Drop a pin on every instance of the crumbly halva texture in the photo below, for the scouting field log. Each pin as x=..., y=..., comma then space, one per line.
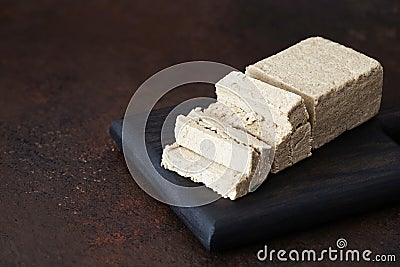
x=341, y=87
x=284, y=115
x=217, y=146
x=224, y=144
x=226, y=182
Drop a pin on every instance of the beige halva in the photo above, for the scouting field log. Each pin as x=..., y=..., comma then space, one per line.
x=272, y=116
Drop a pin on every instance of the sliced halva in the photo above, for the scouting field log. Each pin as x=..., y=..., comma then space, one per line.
x=225, y=145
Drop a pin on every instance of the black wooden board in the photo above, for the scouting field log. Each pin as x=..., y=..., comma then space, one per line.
x=357, y=172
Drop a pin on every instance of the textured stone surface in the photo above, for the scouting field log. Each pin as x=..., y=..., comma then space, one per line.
x=68, y=69
x=341, y=87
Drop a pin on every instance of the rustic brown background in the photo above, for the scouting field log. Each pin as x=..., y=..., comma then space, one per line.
x=68, y=68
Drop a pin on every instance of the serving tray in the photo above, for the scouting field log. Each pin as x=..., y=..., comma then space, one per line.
x=357, y=172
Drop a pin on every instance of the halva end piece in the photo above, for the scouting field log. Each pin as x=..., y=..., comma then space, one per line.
x=226, y=182
x=341, y=87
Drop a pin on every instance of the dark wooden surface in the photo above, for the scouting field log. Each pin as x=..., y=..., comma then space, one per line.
x=357, y=172
x=68, y=68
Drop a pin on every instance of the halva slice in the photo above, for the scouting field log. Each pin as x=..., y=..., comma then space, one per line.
x=284, y=112
x=226, y=182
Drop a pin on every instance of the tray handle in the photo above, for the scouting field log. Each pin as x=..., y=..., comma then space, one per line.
x=389, y=120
